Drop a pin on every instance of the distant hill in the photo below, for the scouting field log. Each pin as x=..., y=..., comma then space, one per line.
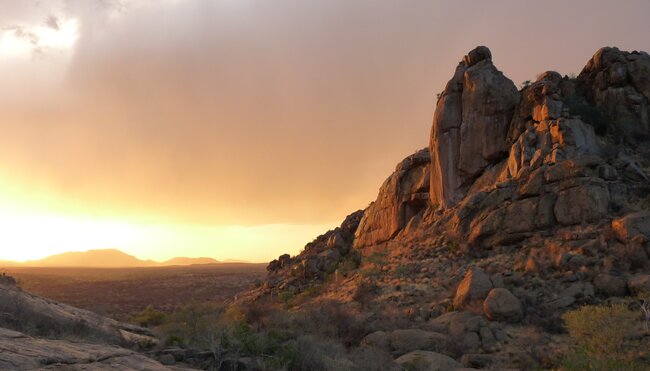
x=189, y=261
x=106, y=258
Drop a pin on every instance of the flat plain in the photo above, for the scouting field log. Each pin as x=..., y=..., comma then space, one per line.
x=121, y=292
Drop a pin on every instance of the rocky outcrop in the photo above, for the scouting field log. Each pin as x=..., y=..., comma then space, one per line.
x=37, y=316
x=470, y=125
x=319, y=258
x=618, y=83
x=21, y=352
x=402, y=197
x=554, y=174
x=538, y=205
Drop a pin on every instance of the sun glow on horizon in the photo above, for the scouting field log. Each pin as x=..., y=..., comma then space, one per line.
x=32, y=237
x=37, y=222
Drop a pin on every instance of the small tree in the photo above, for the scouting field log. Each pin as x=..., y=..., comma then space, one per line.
x=150, y=317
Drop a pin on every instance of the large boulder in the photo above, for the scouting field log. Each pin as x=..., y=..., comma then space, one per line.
x=502, y=305
x=421, y=360
x=470, y=125
x=475, y=286
x=609, y=285
x=407, y=340
x=403, y=196
x=377, y=339
x=640, y=285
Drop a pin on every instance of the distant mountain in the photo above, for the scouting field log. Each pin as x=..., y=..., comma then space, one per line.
x=189, y=261
x=106, y=258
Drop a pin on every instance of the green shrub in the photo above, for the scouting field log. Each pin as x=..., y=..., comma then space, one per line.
x=174, y=340
x=286, y=297
x=377, y=258
x=150, y=317
x=402, y=271
x=349, y=263
x=600, y=333
x=195, y=325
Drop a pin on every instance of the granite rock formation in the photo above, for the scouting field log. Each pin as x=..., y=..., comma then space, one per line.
x=469, y=126
x=538, y=202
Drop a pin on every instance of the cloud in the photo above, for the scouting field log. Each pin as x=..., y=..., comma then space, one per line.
x=248, y=112
x=52, y=22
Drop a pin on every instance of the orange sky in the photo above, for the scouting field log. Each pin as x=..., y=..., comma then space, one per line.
x=241, y=129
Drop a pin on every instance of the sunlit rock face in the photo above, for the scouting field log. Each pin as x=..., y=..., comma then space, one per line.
x=508, y=164
x=470, y=125
x=401, y=200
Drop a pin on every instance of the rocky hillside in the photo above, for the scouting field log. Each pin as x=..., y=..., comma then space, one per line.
x=527, y=203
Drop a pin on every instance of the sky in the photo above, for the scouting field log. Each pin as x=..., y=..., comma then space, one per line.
x=241, y=129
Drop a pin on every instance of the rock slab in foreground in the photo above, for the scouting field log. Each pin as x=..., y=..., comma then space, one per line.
x=429, y=361
x=21, y=352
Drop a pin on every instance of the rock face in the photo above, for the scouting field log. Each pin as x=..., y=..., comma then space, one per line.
x=619, y=83
x=21, y=352
x=469, y=126
x=402, y=197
